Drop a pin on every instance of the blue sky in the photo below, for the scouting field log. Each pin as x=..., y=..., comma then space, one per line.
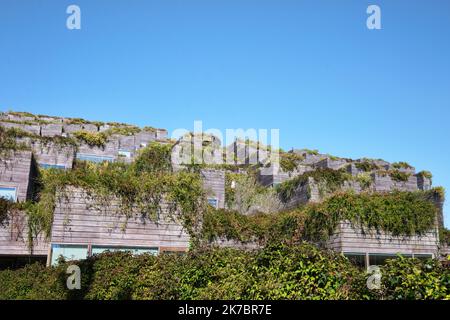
x=310, y=68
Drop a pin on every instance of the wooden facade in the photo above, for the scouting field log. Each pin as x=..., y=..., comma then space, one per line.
x=352, y=239
x=78, y=221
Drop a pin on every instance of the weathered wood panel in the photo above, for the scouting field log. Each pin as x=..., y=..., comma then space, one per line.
x=14, y=238
x=76, y=222
x=348, y=238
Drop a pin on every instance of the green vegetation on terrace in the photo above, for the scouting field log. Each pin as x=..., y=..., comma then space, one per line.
x=93, y=139
x=401, y=165
x=277, y=271
x=367, y=165
x=9, y=143
x=330, y=179
x=425, y=174
x=9, y=139
x=398, y=213
x=115, y=127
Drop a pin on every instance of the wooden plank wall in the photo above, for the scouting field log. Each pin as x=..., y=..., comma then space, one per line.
x=15, y=172
x=77, y=222
x=351, y=239
x=214, y=184
x=14, y=238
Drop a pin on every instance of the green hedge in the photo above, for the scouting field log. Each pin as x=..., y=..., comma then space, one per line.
x=277, y=271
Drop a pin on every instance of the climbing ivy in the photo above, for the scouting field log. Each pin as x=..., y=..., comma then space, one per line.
x=401, y=165
x=332, y=180
x=399, y=213
x=289, y=161
x=9, y=143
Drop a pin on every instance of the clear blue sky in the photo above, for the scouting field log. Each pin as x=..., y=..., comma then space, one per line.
x=310, y=68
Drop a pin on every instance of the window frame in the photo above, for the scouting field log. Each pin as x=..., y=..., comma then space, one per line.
x=16, y=192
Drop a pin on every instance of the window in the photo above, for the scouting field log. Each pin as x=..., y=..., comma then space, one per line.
x=213, y=202
x=358, y=259
x=94, y=158
x=68, y=252
x=124, y=153
x=423, y=256
x=378, y=259
x=8, y=193
x=52, y=166
x=133, y=250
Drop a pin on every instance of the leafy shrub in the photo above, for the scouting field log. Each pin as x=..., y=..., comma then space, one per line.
x=399, y=176
x=425, y=174
x=364, y=179
x=5, y=206
x=277, y=271
x=140, y=186
x=301, y=272
x=33, y=282
x=94, y=139
x=444, y=236
x=154, y=158
x=413, y=279
x=114, y=275
x=367, y=165
x=8, y=142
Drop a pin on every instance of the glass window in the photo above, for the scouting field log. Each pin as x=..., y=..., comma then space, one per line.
x=423, y=256
x=52, y=166
x=358, y=259
x=8, y=193
x=124, y=153
x=133, y=250
x=212, y=202
x=94, y=158
x=68, y=252
x=380, y=259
